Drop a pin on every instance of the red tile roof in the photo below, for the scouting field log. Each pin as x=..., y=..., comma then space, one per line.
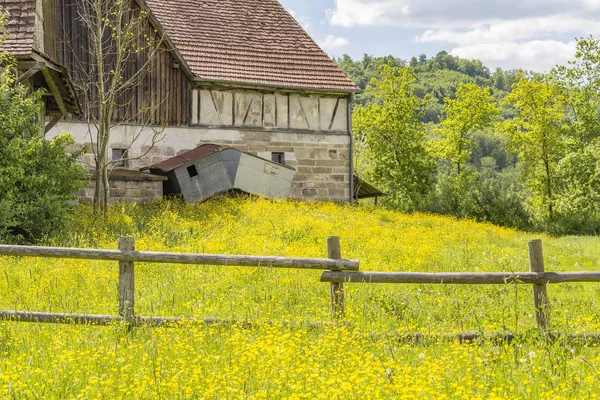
x=247, y=41
x=21, y=26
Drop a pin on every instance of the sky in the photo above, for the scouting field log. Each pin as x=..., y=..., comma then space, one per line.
x=533, y=35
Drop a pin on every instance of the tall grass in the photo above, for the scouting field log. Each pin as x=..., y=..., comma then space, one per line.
x=280, y=356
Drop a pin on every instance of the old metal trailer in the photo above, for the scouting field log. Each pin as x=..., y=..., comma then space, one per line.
x=210, y=170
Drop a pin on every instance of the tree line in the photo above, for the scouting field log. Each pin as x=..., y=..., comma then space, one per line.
x=514, y=148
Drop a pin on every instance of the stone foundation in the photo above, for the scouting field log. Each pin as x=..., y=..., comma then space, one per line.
x=321, y=159
x=127, y=186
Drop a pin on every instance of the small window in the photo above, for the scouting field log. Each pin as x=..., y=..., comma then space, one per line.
x=278, y=158
x=119, y=158
x=192, y=171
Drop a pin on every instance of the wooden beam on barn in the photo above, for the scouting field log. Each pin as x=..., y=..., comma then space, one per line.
x=31, y=68
x=55, y=91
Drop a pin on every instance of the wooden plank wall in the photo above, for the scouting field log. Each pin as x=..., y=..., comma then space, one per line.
x=164, y=86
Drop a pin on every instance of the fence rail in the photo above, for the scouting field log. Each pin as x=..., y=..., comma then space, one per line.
x=179, y=258
x=454, y=278
x=338, y=271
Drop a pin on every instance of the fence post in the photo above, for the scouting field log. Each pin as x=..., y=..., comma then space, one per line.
x=336, y=290
x=540, y=293
x=126, y=281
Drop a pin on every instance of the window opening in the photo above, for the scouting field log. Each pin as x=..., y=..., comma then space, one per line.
x=192, y=171
x=278, y=158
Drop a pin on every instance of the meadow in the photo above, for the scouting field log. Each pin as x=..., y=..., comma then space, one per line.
x=284, y=343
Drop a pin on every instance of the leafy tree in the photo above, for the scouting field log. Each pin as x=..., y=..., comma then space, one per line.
x=473, y=109
x=536, y=135
x=37, y=177
x=580, y=84
x=579, y=190
x=394, y=139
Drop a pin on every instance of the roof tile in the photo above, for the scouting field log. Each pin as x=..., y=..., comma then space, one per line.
x=21, y=24
x=247, y=41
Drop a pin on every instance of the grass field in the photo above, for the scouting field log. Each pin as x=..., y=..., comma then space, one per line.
x=282, y=354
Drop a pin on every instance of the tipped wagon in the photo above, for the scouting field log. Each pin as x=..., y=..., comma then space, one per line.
x=210, y=170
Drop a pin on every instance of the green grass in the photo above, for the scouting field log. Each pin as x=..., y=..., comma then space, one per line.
x=365, y=359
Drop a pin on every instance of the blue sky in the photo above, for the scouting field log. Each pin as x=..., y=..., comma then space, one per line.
x=529, y=34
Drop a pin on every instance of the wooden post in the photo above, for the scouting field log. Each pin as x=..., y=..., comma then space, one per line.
x=336, y=291
x=126, y=281
x=540, y=294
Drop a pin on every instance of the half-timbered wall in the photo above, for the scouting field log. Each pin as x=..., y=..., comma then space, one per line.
x=278, y=111
x=162, y=98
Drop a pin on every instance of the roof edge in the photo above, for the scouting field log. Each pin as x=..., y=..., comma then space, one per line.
x=170, y=45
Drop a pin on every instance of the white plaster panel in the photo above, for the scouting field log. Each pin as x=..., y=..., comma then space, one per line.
x=310, y=107
x=255, y=113
x=195, y=106
x=340, y=123
x=282, y=110
x=269, y=111
x=242, y=103
x=297, y=116
x=326, y=111
x=224, y=104
x=208, y=113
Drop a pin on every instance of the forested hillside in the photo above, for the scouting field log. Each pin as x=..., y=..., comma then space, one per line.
x=436, y=78
x=447, y=135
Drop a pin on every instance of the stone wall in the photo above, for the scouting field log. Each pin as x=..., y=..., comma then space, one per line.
x=311, y=130
x=128, y=186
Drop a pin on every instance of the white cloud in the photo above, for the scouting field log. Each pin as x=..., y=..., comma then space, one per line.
x=513, y=30
x=332, y=43
x=530, y=34
x=535, y=55
x=360, y=12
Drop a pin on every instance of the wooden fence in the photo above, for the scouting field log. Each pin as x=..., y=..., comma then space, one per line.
x=127, y=257
x=338, y=271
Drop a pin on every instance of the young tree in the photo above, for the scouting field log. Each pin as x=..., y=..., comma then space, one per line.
x=394, y=136
x=580, y=84
x=536, y=135
x=117, y=57
x=474, y=109
x=37, y=177
x=578, y=193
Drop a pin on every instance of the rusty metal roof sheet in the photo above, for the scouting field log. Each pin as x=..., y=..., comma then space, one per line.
x=247, y=41
x=363, y=190
x=183, y=158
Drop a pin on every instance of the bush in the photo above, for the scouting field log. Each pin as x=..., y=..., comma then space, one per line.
x=37, y=177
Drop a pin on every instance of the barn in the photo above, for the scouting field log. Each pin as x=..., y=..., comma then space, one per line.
x=235, y=73
x=240, y=74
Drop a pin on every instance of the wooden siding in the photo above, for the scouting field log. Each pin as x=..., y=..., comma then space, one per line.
x=165, y=88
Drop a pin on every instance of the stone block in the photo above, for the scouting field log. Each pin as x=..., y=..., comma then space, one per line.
x=309, y=193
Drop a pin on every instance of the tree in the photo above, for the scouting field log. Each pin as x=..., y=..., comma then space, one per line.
x=578, y=193
x=536, y=135
x=37, y=177
x=474, y=109
x=394, y=138
x=580, y=84
x=116, y=42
